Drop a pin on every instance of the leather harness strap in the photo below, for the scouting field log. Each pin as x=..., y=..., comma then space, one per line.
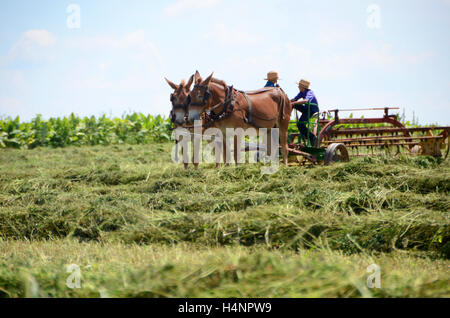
x=250, y=109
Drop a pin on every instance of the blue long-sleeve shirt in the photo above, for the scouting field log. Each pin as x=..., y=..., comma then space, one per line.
x=311, y=98
x=308, y=95
x=270, y=84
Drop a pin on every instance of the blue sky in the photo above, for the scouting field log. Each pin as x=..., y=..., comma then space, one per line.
x=116, y=61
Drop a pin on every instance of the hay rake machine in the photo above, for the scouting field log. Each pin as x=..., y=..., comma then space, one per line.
x=338, y=139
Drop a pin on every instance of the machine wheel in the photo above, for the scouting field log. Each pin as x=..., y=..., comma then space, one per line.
x=336, y=153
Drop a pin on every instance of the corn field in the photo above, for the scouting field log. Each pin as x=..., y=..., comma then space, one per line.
x=133, y=128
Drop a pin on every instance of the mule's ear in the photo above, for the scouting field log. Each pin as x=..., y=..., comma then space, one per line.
x=174, y=86
x=189, y=83
x=197, y=78
x=208, y=80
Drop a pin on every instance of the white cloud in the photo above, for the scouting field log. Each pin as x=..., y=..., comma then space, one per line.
x=224, y=35
x=369, y=56
x=106, y=70
x=125, y=70
x=178, y=7
x=12, y=80
x=87, y=43
x=29, y=44
x=111, y=72
x=11, y=106
x=39, y=37
x=137, y=40
x=329, y=34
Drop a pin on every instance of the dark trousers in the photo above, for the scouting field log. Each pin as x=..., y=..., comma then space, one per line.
x=301, y=124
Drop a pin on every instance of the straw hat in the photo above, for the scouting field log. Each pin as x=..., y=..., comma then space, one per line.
x=272, y=76
x=304, y=83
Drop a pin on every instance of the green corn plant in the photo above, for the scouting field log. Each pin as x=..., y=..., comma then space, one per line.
x=133, y=128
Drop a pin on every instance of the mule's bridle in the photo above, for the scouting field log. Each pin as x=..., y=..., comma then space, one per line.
x=178, y=106
x=206, y=96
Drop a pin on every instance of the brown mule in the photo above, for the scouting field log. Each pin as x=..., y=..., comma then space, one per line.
x=179, y=100
x=266, y=108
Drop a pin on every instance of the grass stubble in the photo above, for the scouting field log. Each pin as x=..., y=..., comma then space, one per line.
x=140, y=226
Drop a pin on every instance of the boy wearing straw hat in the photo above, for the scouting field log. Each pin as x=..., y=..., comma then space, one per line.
x=305, y=96
x=272, y=79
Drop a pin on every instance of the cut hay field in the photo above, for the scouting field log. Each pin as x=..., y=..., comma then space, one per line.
x=138, y=225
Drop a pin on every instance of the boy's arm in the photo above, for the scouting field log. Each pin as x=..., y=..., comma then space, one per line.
x=295, y=98
x=300, y=102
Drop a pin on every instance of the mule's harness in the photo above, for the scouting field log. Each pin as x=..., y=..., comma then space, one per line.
x=228, y=107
